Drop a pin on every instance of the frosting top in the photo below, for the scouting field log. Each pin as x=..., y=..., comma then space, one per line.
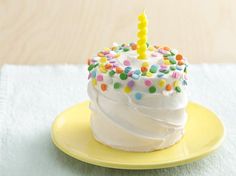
x=118, y=67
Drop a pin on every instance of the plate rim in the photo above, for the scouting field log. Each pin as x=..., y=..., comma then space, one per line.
x=129, y=166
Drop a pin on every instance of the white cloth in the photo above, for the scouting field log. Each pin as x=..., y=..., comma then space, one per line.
x=32, y=96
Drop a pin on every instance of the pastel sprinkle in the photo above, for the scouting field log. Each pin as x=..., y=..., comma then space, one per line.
x=160, y=75
x=89, y=76
x=176, y=83
x=117, y=85
x=184, y=82
x=148, y=74
x=130, y=73
x=153, y=69
x=172, y=61
x=90, y=67
x=119, y=70
x=103, y=59
x=166, y=62
x=123, y=76
x=126, y=49
x=148, y=82
x=172, y=67
x=134, y=46
x=111, y=73
x=144, y=69
x=94, y=82
x=127, y=69
x=131, y=83
x=175, y=75
x=126, y=63
x=100, y=77
x=179, y=57
x=94, y=73
x=168, y=87
x=162, y=83
x=138, y=96
x=127, y=89
x=135, y=76
x=178, y=89
x=152, y=89
x=103, y=87
x=145, y=64
x=138, y=72
x=154, y=55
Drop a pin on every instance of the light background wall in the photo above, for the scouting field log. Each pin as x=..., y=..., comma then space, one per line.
x=69, y=31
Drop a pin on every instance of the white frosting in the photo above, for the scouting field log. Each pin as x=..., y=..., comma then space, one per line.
x=155, y=121
x=130, y=126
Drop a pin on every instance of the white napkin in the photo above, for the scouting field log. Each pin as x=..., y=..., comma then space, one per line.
x=32, y=96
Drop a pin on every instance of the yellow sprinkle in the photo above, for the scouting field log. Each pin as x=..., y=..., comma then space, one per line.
x=149, y=74
x=127, y=89
x=166, y=62
x=151, y=48
x=102, y=69
x=94, y=82
x=162, y=83
x=103, y=59
x=176, y=83
x=117, y=55
x=107, y=49
x=145, y=64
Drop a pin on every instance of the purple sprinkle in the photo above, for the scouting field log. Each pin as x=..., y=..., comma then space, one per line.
x=131, y=83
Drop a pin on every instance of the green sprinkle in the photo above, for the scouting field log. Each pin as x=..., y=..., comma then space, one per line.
x=90, y=67
x=126, y=49
x=96, y=65
x=147, y=44
x=178, y=89
x=172, y=67
x=144, y=74
x=153, y=69
x=117, y=85
x=172, y=61
x=111, y=73
x=152, y=89
x=166, y=71
x=185, y=69
x=123, y=76
x=172, y=54
x=166, y=55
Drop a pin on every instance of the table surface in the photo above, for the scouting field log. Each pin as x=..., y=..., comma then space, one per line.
x=61, y=31
x=32, y=96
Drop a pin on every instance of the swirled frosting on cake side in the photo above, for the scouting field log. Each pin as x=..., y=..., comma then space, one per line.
x=138, y=105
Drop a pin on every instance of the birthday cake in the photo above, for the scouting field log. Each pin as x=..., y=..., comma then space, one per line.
x=138, y=96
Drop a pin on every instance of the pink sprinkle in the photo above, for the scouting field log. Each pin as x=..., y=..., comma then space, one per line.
x=148, y=82
x=105, y=52
x=110, y=55
x=154, y=54
x=130, y=73
x=100, y=78
x=127, y=63
x=175, y=75
x=163, y=67
x=89, y=76
x=185, y=77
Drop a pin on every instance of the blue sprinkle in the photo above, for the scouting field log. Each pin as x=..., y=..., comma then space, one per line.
x=138, y=96
x=160, y=75
x=135, y=76
x=94, y=73
x=137, y=72
x=184, y=83
x=127, y=69
x=178, y=67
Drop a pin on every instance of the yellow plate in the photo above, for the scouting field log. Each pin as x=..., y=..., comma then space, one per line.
x=72, y=134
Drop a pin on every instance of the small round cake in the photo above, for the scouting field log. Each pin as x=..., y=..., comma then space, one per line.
x=138, y=104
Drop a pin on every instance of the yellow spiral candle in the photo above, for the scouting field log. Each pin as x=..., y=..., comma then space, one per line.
x=142, y=36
